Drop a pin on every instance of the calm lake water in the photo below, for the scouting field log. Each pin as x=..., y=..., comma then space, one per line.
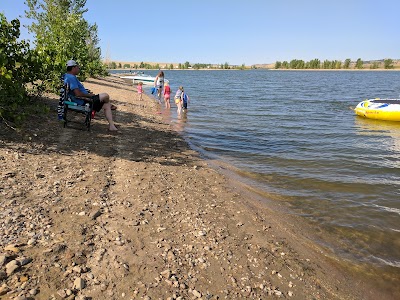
x=294, y=134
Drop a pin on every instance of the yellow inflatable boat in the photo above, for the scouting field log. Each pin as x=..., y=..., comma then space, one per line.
x=380, y=109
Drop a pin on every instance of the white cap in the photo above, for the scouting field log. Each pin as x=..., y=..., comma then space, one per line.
x=71, y=63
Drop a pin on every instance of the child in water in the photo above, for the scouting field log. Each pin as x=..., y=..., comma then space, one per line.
x=178, y=100
x=185, y=100
x=159, y=84
x=167, y=95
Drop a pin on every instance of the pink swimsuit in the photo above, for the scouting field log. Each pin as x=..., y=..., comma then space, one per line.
x=167, y=92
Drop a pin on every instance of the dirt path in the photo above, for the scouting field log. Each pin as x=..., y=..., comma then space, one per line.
x=138, y=215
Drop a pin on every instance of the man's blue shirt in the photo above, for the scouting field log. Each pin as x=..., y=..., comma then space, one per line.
x=74, y=83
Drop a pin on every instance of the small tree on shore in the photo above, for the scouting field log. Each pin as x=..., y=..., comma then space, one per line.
x=346, y=64
x=314, y=64
x=359, y=64
x=374, y=65
x=338, y=64
x=388, y=63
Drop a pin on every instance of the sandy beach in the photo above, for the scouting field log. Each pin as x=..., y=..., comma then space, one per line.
x=139, y=215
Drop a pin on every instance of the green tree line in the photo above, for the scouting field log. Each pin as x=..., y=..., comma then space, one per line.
x=331, y=64
x=27, y=70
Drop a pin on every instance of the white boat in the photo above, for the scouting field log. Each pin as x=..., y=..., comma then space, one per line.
x=141, y=77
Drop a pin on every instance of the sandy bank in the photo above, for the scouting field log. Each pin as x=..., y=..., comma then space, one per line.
x=138, y=215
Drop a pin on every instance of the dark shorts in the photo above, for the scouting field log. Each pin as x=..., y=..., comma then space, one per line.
x=97, y=104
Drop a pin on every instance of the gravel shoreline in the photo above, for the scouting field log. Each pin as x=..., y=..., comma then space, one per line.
x=139, y=215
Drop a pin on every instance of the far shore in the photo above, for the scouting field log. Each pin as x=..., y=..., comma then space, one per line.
x=267, y=69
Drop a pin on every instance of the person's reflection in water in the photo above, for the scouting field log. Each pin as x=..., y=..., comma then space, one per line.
x=180, y=122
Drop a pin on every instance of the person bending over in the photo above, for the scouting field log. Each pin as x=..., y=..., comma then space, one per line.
x=78, y=90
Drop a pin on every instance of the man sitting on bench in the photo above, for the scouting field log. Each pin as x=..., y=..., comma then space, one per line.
x=78, y=90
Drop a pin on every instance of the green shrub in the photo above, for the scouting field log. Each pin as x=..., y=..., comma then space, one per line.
x=19, y=66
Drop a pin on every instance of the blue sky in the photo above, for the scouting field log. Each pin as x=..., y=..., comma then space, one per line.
x=237, y=32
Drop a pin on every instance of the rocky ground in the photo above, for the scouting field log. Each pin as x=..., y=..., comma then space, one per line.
x=139, y=215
